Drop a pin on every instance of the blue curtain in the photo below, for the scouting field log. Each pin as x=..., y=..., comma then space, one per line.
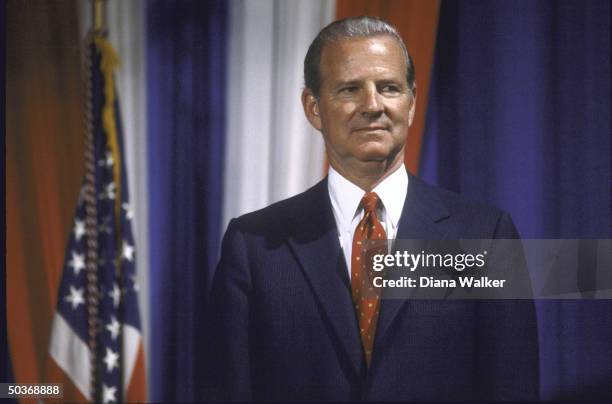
x=519, y=117
x=186, y=46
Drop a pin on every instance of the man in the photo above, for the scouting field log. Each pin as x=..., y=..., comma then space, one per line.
x=288, y=317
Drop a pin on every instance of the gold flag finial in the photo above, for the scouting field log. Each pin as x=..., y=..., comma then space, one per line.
x=99, y=14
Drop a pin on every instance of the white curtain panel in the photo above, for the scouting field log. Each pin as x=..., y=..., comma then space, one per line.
x=271, y=150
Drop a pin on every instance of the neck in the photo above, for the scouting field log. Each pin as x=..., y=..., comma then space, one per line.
x=367, y=175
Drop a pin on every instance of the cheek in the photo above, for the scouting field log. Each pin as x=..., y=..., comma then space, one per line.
x=347, y=109
x=342, y=111
x=338, y=117
x=400, y=113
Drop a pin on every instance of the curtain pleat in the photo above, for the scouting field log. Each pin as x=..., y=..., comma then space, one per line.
x=519, y=117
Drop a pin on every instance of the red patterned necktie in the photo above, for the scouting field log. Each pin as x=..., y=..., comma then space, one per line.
x=366, y=298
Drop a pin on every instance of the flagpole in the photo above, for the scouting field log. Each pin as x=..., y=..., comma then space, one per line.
x=91, y=229
x=91, y=221
x=87, y=340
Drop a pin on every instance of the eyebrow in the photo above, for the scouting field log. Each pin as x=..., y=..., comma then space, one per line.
x=357, y=82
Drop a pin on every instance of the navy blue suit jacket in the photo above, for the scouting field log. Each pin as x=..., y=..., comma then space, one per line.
x=282, y=325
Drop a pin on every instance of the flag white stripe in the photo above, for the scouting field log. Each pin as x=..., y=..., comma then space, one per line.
x=71, y=354
x=131, y=342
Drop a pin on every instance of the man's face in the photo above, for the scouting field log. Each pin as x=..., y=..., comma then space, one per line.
x=364, y=107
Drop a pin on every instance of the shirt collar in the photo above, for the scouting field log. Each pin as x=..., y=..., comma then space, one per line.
x=392, y=192
x=346, y=196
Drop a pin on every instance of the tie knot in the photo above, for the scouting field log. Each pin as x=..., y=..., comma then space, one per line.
x=370, y=202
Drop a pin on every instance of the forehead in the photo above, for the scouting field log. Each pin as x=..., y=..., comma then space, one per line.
x=349, y=59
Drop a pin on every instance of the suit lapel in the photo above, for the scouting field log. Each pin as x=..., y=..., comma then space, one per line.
x=423, y=218
x=314, y=241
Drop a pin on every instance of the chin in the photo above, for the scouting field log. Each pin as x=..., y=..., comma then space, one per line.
x=376, y=151
x=378, y=154
x=374, y=157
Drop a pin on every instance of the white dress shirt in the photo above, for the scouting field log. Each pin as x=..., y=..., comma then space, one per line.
x=348, y=212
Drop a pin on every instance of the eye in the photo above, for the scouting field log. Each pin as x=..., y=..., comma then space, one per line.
x=390, y=89
x=349, y=89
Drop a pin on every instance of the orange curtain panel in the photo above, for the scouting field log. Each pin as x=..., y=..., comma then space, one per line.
x=417, y=21
x=44, y=168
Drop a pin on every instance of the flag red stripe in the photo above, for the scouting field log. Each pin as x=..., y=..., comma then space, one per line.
x=55, y=374
x=137, y=387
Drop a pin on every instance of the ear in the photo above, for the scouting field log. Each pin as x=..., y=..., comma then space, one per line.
x=311, y=108
x=412, y=106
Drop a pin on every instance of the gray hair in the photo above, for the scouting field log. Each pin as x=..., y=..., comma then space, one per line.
x=353, y=27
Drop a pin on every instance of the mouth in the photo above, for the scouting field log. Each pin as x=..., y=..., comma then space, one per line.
x=366, y=129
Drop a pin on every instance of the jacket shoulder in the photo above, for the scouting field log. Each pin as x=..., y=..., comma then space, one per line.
x=469, y=218
x=282, y=214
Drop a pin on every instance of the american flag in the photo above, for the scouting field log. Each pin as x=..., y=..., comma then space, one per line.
x=114, y=370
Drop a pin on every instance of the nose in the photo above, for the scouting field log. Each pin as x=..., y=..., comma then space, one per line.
x=372, y=102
